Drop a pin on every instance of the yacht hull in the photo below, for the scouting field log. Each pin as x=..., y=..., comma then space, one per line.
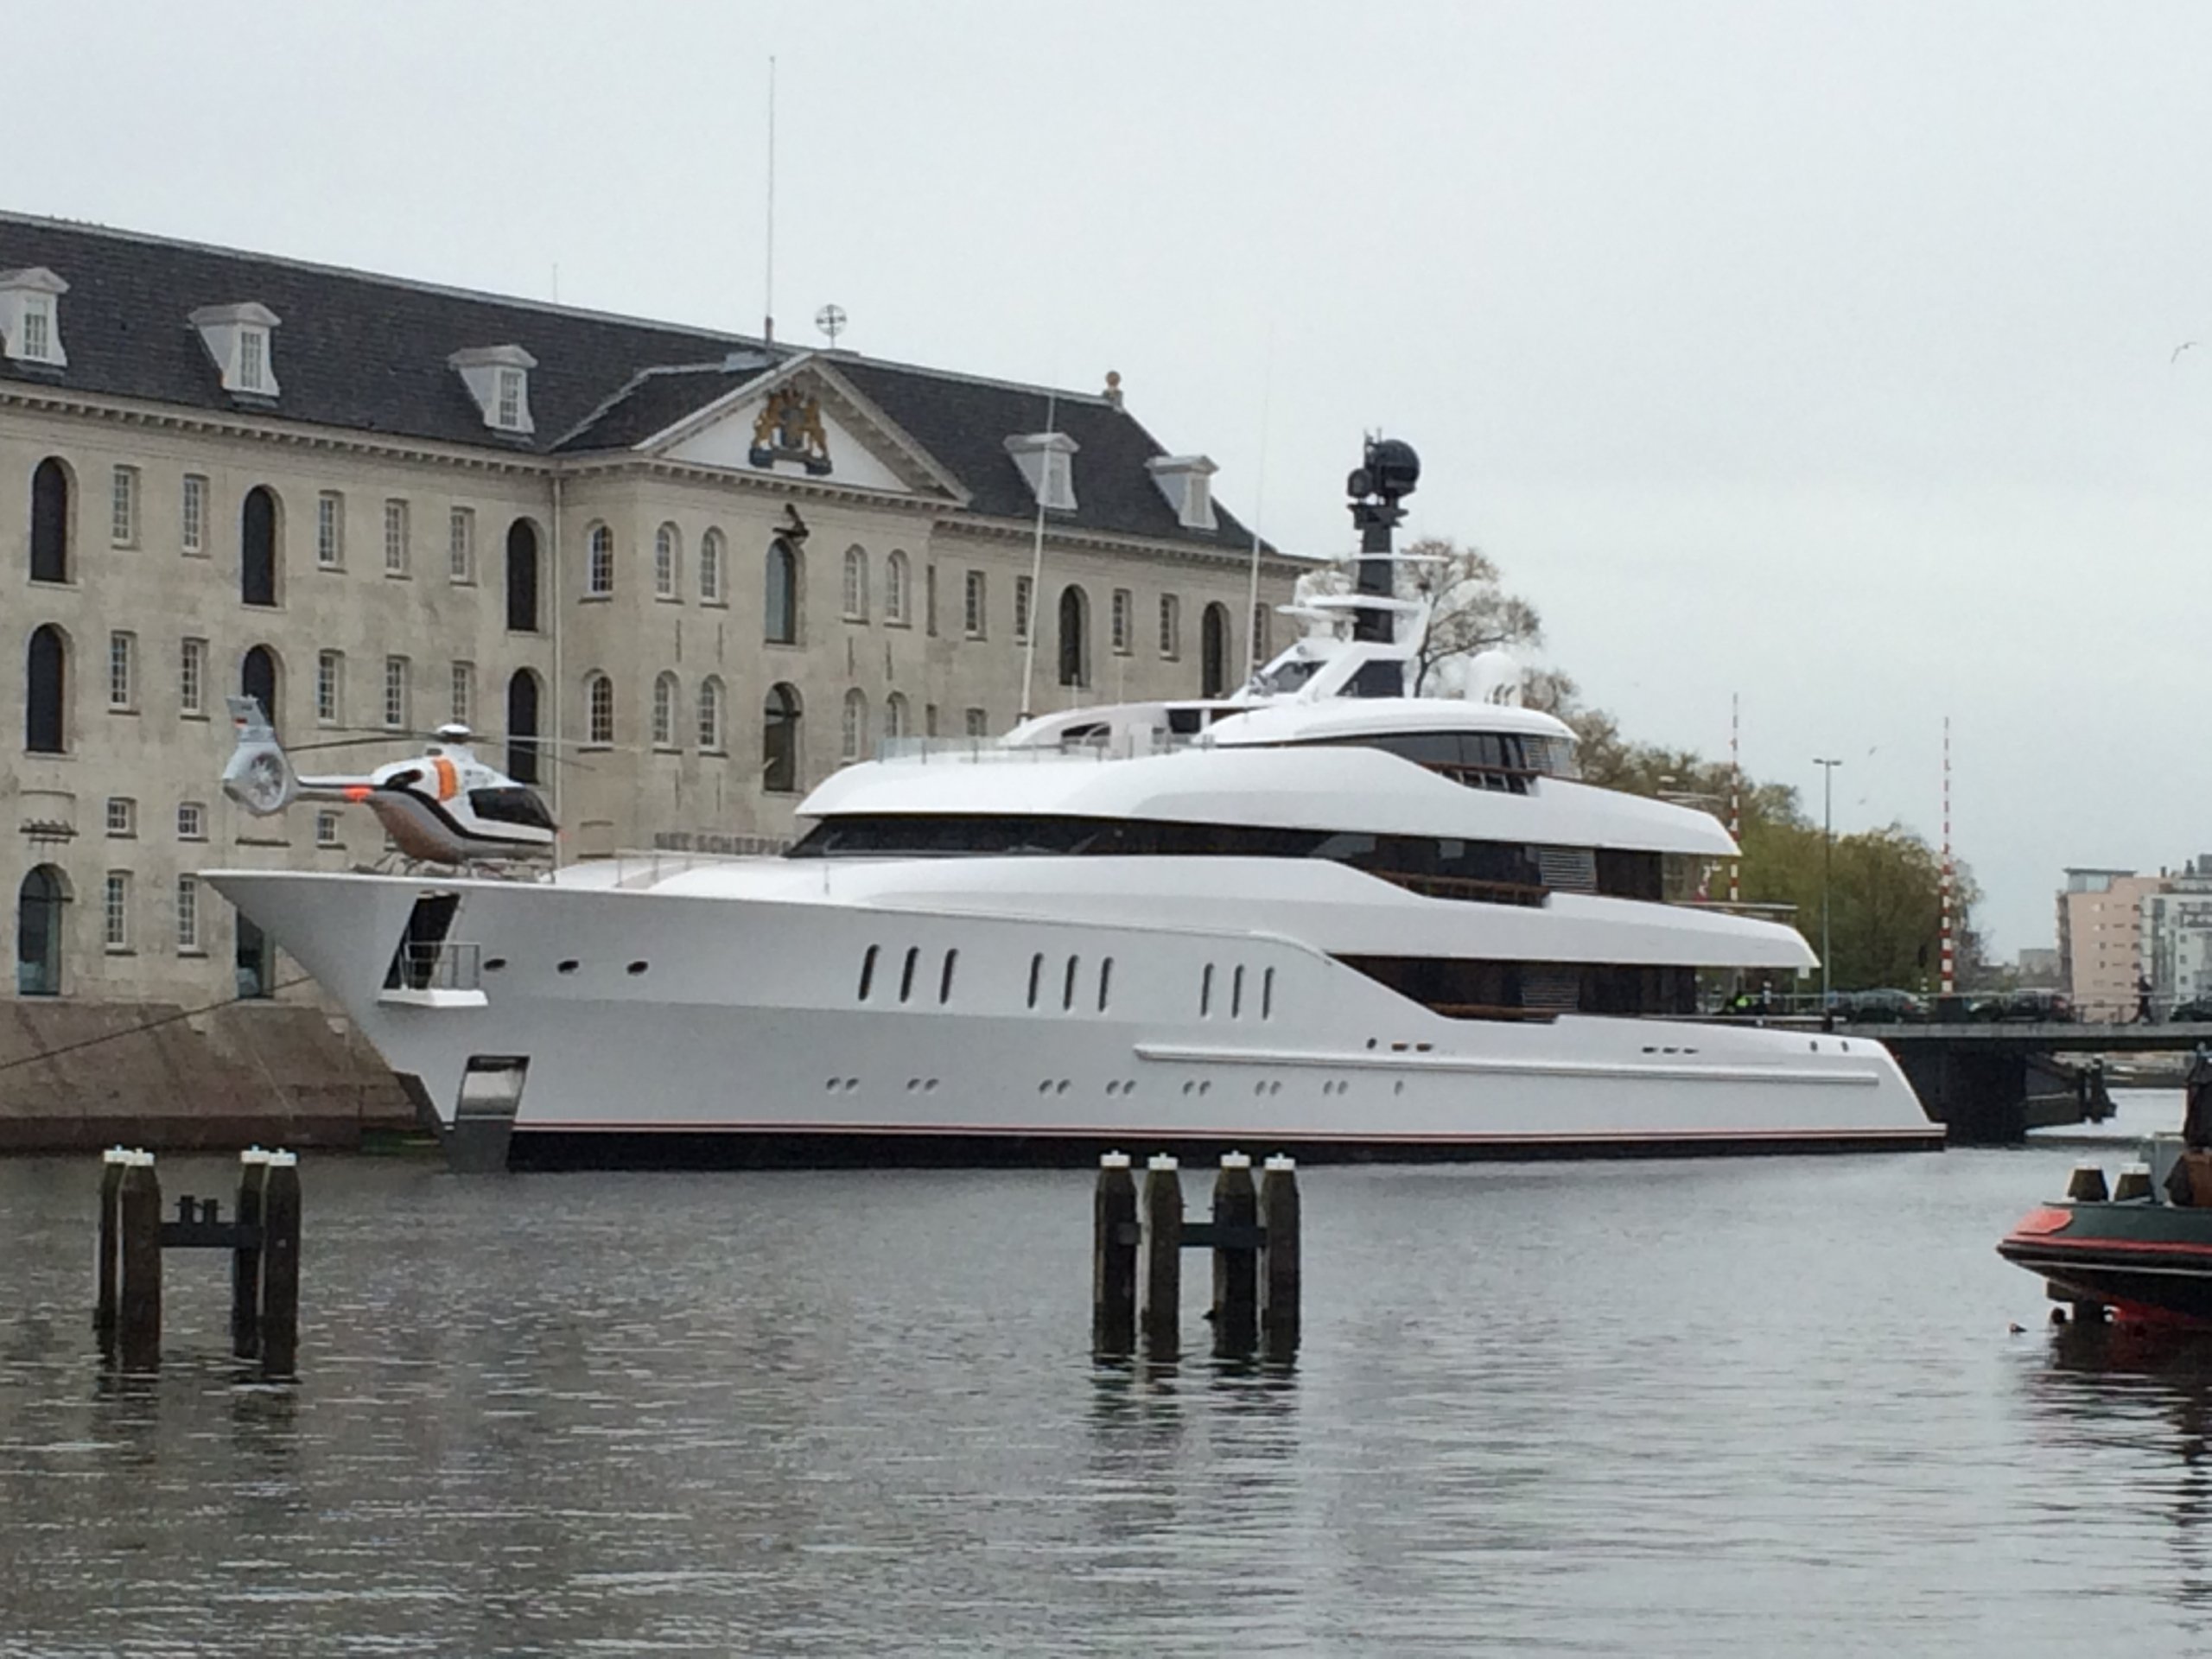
x=664, y=1026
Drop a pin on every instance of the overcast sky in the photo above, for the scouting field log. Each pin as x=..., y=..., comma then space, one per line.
x=1818, y=354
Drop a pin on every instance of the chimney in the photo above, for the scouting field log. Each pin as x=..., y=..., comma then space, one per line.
x=1113, y=387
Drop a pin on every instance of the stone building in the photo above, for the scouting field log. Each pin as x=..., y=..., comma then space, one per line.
x=2101, y=939
x=703, y=569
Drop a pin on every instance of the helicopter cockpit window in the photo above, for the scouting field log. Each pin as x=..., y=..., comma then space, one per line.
x=510, y=806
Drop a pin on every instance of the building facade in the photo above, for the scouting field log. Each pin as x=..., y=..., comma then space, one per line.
x=2101, y=939
x=680, y=575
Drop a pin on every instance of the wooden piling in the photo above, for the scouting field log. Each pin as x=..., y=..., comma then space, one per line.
x=113, y=1162
x=138, y=1211
x=1279, y=1260
x=245, y=1261
x=1113, y=1258
x=280, y=1265
x=1236, y=1258
x=1163, y=1258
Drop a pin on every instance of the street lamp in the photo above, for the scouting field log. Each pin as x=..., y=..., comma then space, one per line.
x=1828, y=863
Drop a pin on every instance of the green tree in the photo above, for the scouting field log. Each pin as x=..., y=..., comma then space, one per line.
x=1472, y=611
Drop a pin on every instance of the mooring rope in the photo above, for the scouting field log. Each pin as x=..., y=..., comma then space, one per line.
x=153, y=1024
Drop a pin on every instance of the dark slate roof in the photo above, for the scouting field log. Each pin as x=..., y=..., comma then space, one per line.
x=658, y=398
x=965, y=424
x=368, y=353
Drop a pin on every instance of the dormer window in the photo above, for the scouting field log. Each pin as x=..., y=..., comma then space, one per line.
x=1187, y=482
x=30, y=322
x=1047, y=464
x=498, y=378
x=238, y=338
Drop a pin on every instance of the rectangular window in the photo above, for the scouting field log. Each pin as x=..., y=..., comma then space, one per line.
x=330, y=530
x=1124, y=609
x=929, y=598
x=187, y=915
x=395, y=538
x=1171, y=626
x=460, y=545
x=122, y=816
x=330, y=687
x=978, y=724
x=118, y=910
x=123, y=529
x=191, y=821
x=974, y=619
x=253, y=353
x=38, y=329
x=1021, y=597
x=929, y=720
x=192, y=677
x=194, y=514
x=325, y=829
x=123, y=670
x=395, y=693
x=510, y=415
x=464, y=693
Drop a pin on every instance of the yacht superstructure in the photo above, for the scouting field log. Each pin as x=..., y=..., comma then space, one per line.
x=1317, y=915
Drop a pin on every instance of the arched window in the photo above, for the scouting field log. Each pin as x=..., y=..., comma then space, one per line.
x=665, y=711
x=780, y=734
x=783, y=594
x=1213, y=651
x=522, y=577
x=46, y=687
x=50, y=521
x=522, y=726
x=854, y=731
x=895, y=588
x=710, y=715
x=710, y=568
x=257, y=677
x=257, y=547
x=855, y=584
x=598, y=706
x=666, y=547
x=599, y=560
x=894, y=716
x=38, y=932
x=1074, y=636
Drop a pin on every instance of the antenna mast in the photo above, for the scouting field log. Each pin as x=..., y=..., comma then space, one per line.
x=1037, y=555
x=768, y=283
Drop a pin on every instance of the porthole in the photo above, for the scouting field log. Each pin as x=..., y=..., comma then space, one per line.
x=568, y=966
x=1036, y=973
x=1105, y=983
x=494, y=964
x=944, y=978
x=1267, y=995
x=1236, y=993
x=1061, y=1088
x=1067, y=987
x=1205, y=993
x=906, y=973
x=868, y=970
x=635, y=968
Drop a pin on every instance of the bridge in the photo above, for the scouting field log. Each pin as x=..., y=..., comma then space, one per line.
x=1980, y=1077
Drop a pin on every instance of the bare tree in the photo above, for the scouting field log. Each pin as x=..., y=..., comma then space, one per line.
x=1472, y=611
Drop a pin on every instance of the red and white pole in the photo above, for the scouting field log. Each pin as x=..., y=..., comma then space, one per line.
x=1950, y=978
x=1735, y=801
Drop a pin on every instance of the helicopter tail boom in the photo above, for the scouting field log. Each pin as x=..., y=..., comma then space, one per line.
x=259, y=776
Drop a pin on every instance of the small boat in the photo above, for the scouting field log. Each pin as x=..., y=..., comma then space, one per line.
x=2140, y=1249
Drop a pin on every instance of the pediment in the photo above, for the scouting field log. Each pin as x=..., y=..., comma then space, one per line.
x=806, y=423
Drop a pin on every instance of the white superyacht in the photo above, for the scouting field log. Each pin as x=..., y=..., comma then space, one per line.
x=1318, y=916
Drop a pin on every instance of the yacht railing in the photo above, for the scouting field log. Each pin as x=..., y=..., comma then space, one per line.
x=449, y=965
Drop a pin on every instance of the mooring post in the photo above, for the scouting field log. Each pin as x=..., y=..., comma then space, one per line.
x=1113, y=1258
x=1279, y=1264
x=1163, y=1258
x=113, y=1162
x=1236, y=1261
x=280, y=1265
x=245, y=1261
x=138, y=1214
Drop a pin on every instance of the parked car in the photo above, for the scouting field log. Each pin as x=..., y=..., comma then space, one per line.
x=2185, y=1013
x=2039, y=1004
x=1881, y=1007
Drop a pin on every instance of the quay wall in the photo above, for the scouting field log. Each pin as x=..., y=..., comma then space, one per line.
x=74, y=1077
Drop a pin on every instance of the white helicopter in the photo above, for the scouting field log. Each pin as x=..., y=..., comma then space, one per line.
x=444, y=806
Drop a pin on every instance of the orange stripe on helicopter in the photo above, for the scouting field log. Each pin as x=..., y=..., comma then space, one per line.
x=449, y=778
x=355, y=792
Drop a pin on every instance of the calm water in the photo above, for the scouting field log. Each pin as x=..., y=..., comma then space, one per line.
x=1754, y=1408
